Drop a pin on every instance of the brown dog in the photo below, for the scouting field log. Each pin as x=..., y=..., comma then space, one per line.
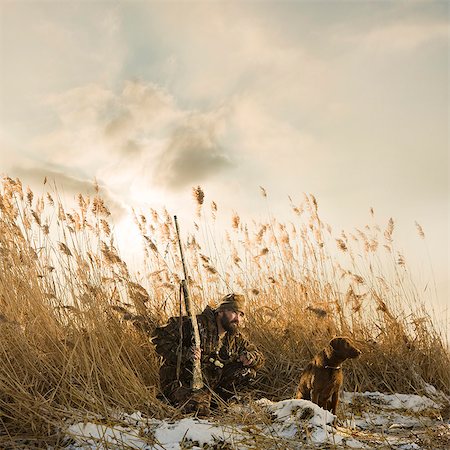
x=322, y=378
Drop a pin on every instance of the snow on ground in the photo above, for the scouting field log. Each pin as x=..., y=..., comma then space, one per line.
x=152, y=434
x=372, y=420
x=412, y=402
x=380, y=410
x=303, y=420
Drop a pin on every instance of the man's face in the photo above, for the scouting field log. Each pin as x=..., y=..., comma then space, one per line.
x=231, y=320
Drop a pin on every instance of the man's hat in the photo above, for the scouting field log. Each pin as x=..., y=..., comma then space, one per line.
x=233, y=302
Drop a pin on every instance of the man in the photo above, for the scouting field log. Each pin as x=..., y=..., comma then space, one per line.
x=228, y=360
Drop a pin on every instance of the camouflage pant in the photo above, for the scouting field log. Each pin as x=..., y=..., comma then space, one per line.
x=220, y=385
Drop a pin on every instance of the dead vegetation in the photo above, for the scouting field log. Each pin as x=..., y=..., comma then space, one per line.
x=74, y=320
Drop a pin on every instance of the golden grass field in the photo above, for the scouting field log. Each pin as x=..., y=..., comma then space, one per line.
x=75, y=321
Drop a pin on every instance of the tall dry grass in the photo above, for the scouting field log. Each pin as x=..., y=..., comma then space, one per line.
x=74, y=321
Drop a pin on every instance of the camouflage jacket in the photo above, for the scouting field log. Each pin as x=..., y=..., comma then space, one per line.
x=216, y=353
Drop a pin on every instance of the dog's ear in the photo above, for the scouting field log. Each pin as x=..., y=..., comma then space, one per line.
x=332, y=347
x=337, y=343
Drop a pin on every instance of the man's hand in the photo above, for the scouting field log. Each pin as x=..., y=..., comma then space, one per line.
x=246, y=360
x=196, y=353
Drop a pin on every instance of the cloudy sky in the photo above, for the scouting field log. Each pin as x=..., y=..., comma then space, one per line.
x=345, y=100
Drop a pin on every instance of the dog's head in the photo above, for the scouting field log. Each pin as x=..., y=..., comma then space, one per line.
x=344, y=348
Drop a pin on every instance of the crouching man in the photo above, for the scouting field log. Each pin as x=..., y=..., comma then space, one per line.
x=228, y=360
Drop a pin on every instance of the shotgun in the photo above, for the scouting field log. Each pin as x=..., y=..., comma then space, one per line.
x=197, y=379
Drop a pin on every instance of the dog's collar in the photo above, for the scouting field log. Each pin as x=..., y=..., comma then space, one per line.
x=331, y=367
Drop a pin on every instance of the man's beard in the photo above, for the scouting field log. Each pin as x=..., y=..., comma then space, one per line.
x=228, y=326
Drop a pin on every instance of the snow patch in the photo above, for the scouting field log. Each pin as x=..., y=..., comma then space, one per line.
x=98, y=436
x=412, y=402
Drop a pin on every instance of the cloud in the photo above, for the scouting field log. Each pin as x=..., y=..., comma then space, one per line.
x=102, y=125
x=224, y=50
x=138, y=132
x=82, y=106
x=400, y=36
x=68, y=185
x=141, y=108
x=193, y=154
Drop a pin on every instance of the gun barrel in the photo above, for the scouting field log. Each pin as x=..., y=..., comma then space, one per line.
x=197, y=379
x=181, y=247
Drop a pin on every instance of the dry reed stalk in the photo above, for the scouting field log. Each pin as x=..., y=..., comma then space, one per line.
x=199, y=197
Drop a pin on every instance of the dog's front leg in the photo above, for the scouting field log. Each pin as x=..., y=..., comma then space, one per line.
x=334, y=402
x=315, y=396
